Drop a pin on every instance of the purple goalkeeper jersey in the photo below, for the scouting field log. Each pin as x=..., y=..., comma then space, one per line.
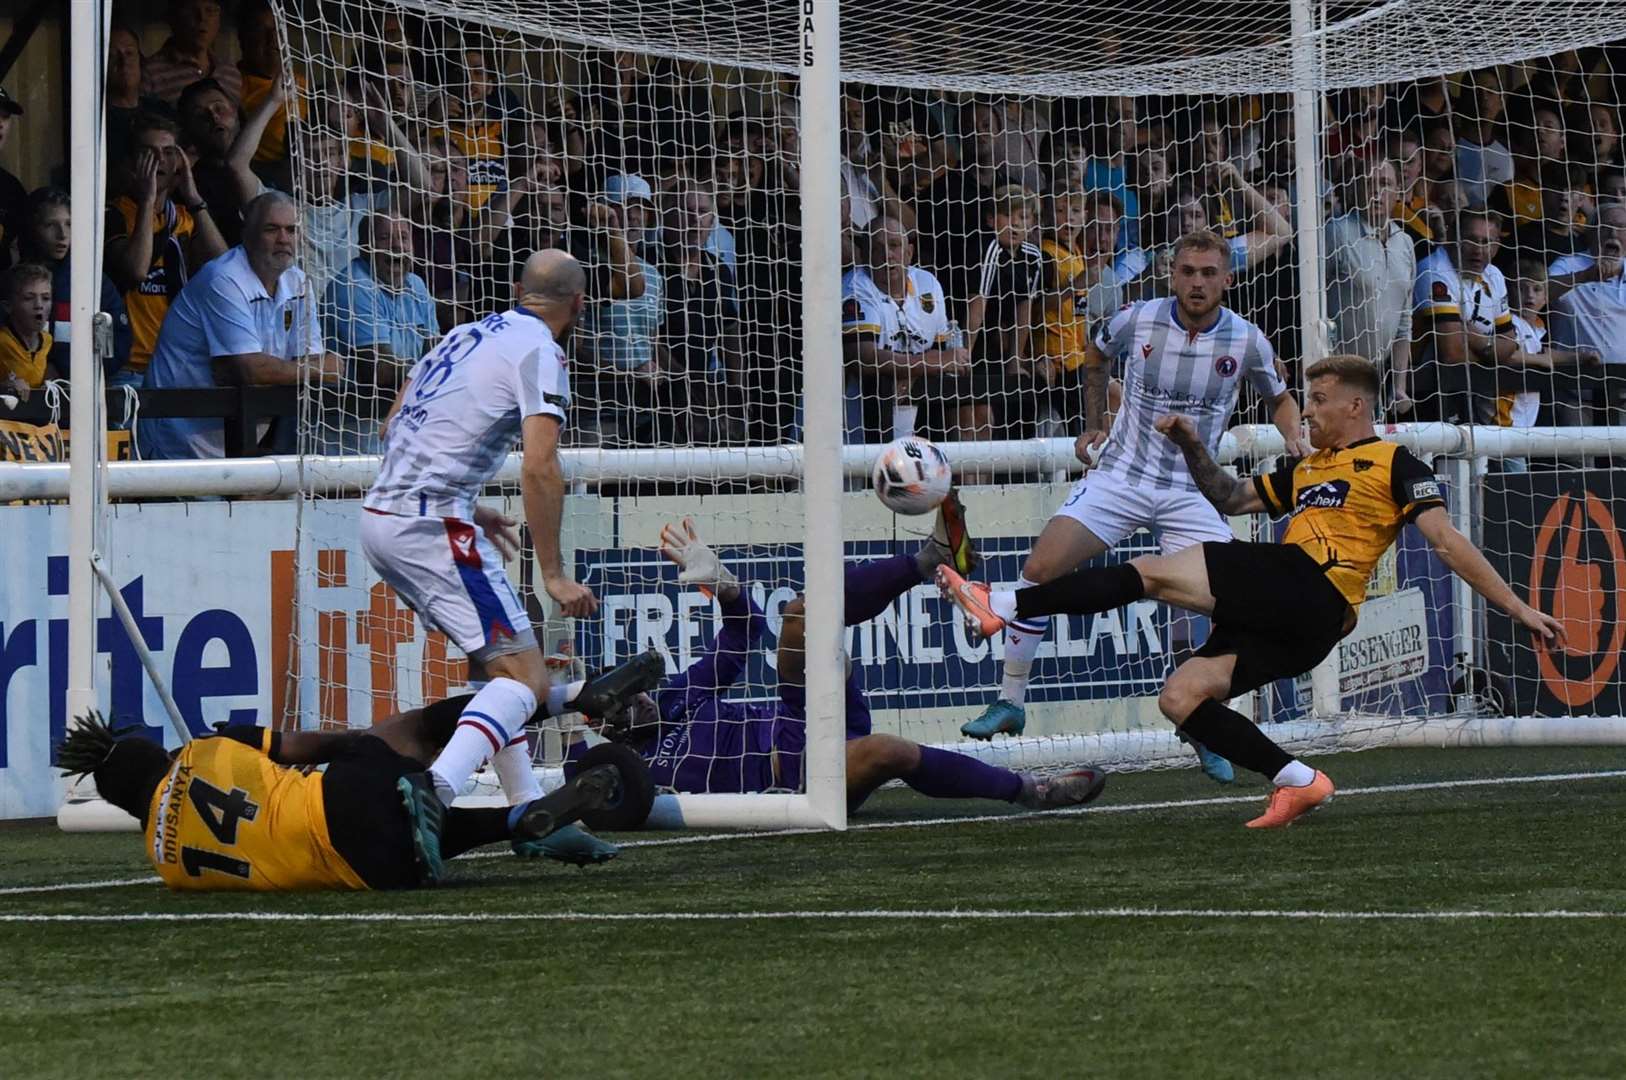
x=708, y=743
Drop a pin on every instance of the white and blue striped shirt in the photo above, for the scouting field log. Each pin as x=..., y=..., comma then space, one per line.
x=1169, y=368
x=463, y=409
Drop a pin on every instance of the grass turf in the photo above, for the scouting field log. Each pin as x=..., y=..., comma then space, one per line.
x=1013, y=996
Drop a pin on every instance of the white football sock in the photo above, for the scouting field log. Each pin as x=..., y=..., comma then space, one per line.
x=1294, y=774
x=488, y=724
x=1020, y=648
x=514, y=772
x=1003, y=604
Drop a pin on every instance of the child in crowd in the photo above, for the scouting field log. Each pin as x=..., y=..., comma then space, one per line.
x=25, y=343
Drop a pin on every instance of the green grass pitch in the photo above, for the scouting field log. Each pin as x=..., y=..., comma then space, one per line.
x=1096, y=992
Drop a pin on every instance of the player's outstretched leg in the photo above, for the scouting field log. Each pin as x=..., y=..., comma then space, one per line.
x=950, y=541
x=1065, y=543
x=870, y=587
x=943, y=774
x=1193, y=699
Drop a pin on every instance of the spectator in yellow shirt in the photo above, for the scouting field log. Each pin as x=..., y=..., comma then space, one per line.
x=25, y=343
x=1081, y=289
x=261, y=67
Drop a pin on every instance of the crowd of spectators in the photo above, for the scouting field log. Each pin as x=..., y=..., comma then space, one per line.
x=1473, y=233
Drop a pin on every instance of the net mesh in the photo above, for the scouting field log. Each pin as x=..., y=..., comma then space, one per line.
x=1012, y=177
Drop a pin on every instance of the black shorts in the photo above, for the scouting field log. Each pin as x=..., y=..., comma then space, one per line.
x=1274, y=610
x=366, y=822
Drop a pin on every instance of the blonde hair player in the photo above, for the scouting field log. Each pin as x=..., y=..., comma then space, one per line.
x=1278, y=609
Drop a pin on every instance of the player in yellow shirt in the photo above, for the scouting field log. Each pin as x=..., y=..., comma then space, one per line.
x=1278, y=609
x=242, y=809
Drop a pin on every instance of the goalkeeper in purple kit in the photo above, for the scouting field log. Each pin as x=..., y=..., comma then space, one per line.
x=696, y=740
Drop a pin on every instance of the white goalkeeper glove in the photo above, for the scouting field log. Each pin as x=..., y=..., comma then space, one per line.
x=698, y=565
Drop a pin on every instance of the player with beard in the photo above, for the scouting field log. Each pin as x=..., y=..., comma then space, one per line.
x=1186, y=353
x=1278, y=609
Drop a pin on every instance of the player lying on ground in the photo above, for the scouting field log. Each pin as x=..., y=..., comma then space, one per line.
x=239, y=809
x=1278, y=609
x=450, y=429
x=694, y=739
x=1187, y=351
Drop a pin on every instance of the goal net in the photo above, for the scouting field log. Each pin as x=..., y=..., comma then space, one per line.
x=1434, y=186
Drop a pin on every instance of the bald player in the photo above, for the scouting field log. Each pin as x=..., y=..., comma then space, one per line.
x=453, y=423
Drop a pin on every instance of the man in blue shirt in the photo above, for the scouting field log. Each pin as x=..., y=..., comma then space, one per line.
x=617, y=336
x=380, y=317
x=247, y=317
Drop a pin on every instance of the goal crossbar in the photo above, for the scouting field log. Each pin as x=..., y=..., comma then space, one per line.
x=286, y=475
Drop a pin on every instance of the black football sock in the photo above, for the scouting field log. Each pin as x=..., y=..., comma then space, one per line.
x=1083, y=592
x=1236, y=738
x=440, y=718
x=468, y=829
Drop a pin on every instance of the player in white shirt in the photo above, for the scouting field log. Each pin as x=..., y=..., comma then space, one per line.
x=453, y=423
x=1185, y=354
x=895, y=322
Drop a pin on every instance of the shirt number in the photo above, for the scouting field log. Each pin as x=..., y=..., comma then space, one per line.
x=220, y=812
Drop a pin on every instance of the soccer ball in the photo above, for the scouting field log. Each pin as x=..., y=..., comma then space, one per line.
x=912, y=476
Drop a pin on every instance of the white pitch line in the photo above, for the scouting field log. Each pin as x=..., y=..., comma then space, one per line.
x=1125, y=808
x=922, y=915
x=919, y=823
x=110, y=883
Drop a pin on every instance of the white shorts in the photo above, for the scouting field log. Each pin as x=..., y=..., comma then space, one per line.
x=450, y=574
x=1113, y=509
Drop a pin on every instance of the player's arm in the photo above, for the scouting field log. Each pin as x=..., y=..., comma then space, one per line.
x=1097, y=421
x=542, y=486
x=1284, y=413
x=1466, y=561
x=1229, y=494
x=1097, y=373
x=292, y=747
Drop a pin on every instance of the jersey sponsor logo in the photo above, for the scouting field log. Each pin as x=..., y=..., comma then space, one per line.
x=1327, y=495
x=1225, y=366
x=1425, y=489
